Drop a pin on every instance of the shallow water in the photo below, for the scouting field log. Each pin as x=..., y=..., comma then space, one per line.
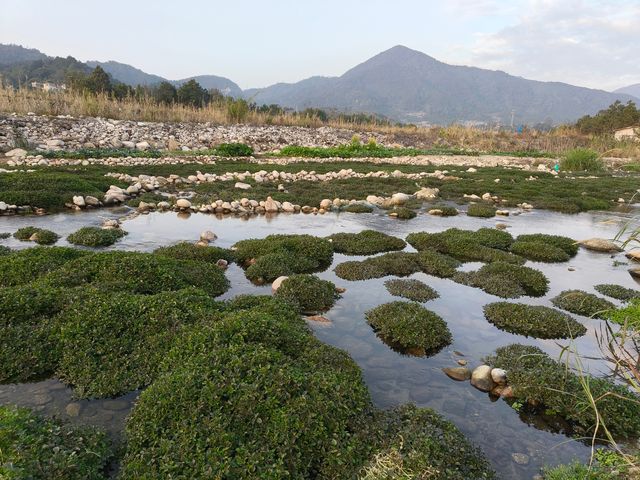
x=392, y=378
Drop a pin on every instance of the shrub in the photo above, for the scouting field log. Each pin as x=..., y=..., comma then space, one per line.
x=358, y=208
x=189, y=251
x=24, y=266
x=411, y=289
x=113, y=343
x=4, y=250
x=617, y=291
x=4, y=235
x=446, y=210
x=234, y=150
x=582, y=303
x=539, y=251
x=582, y=160
x=408, y=325
x=400, y=264
x=536, y=378
x=307, y=293
x=273, y=265
x=39, y=448
x=630, y=315
x=506, y=280
x=42, y=236
x=96, y=237
x=437, y=264
x=532, y=321
x=481, y=210
x=569, y=245
x=403, y=213
x=137, y=272
x=367, y=242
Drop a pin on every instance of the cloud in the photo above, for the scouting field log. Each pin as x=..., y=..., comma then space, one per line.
x=589, y=43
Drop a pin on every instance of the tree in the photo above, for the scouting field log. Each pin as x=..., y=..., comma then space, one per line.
x=98, y=81
x=165, y=93
x=618, y=115
x=192, y=94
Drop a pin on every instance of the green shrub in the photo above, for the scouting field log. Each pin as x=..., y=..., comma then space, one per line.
x=358, y=208
x=481, y=210
x=506, y=280
x=4, y=250
x=409, y=326
x=538, y=379
x=446, y=210
x=367, y=242
x=403, y=213
x=307, y=293
x=136, y=272
x=189, y=251
x=437, y=264
x=539, y=251
x=273, y=265
x=582, y=303
x=400, y=264
x=569, y=245
x=411, y=289
x=24, y=266
x=234, y=150
x=532, y=321
x=42, y=236
x=38, y=448
x=579, y=471
x=113, y=343
x=617, y=291
x=95, y=236
x=582, y=160
x=629, y=315
x=4, y=235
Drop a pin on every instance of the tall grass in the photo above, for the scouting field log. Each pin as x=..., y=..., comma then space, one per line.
x=582, y=160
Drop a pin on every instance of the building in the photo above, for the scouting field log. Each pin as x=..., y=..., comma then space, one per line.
x=628, y=133
x=48, y=86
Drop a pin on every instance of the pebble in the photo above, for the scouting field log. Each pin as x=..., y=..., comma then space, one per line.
x=73, y=409
x=520, y=458
x=459, y=374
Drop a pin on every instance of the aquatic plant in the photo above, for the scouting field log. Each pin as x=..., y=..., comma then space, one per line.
x=617, y=291
x=402, y=213
x=506, y=280
x=539, y=251
x=24, y=266
x=358, y=208
x=437, y=264
x=308, y=293
x=189, y=251
x=481, y=210
x=569, y=245
x=40, y=235
x=95, y=236
x=400, y=264
x=366, y=242
x=582, y=303
x=411, y=289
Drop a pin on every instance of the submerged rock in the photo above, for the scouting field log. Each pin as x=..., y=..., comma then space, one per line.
x=600, y=245
x=459, y=374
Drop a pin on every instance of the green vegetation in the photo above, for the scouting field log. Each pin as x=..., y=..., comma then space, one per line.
x=409, y=326
x=568, y=245
x=629, y=315
x=24, y=266
x=446, y=210
x=366, y=242
x=580, y=471
x=4, y=250
x=4, y=235
x=38, y=448
x=618, y=115
x=481, y=210
x=532, y=321
x=307, y=293
x=437, y=264
x=277, y=255
x=400, y=264
x=538, y=379
x=582, y=160
x=39, y=235
x=582, y=303
x=403, y=213
x=617, y=291
x=358, y=208
x=233, y=150
x=506, y=280
x=96, y=237
x=189, y=251
x=539, y=251
x=411, y=289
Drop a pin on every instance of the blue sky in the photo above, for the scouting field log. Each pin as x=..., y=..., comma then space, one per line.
x=257, y=43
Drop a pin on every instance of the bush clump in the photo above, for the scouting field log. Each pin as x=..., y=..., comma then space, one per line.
x=367, y=242
x=629, y=315
x=538, y=379
x=4, y=250
x=402, y=213
x=234, y=150
x=400, y=264
x=446, y=210
x=617, y=291
x=582, y=160
x=411, y=289
x=40, y=235
x=409, y=326
x=189, y=251
x=506, y=280
x=582, y=303
x=24, y=266
x=481, y=210
x=539, y=251
x=308, y=293
x=278, y=255
x=532, y=321
x=95, y=236
x=569, y=245
x=437, y=264
x=358, y=208
x=39, y=448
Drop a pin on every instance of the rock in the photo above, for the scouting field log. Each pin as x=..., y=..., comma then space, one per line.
x=462, y=362
x=222, y=263
x=499, y=376
x=318, y=318
x=91, y=201
x=326, y=204
x=3, y=206
x=486, y=196
x=633, y=255
x=600, y=245
x=54, y=143
x=163, y=205
x=400, y=198
x=502, y=226
x=79, y=201
x=183, y=203
x=270, y=206
x=16, y=153
x=242, y=186
x=504, y=213
x=459, y=374
x=340, y=290
x=33, y=238
x=427, y=193
x=471, y=170
x=481, y=378
x=621, y=200
x=634, y=272
x=507, y=392
x=172, y=144
x=288, y=207
x=142, y=146
x=435, y=211
x=277, y=282
x=208, y=236
x=520, y=458
x=73, y=409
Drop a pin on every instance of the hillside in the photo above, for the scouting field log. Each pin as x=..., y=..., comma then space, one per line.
x=126, y=73
x=12, y=54
x=633, y=90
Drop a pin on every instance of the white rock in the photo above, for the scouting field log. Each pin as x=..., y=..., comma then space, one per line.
x=278, y=282
x=326, y=204
x=270, y=206
x=208, y=236
x=427, y=193
x=499, y=376
x=481, y=378
x=142, y=146
x=16, y=153
x=3, y=206
x=79, y=201
x=242, y=186
x=183, y=203
x=287, y=207
x=400, y=198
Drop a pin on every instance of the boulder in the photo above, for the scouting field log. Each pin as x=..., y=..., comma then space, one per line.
x=78, y=200
x=459, y=374
x=318, y=319
x=183, y=203
x=142, y=146
x=633, y=255
x=277, y=282
x=92, y=201
x=427, y=193
x=16, y=153
x=242, y=186
x=326, y=204
x=288, y=207
x=499, y=376
x=208, y=236
x=481, y=378
x=270, y=205
x=600, y=245
x=400, y=198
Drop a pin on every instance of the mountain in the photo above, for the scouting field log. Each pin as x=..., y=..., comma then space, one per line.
x=226, y=86
x=410, y=86
x=633, y=90
x=126, y=73
x=12, y=54
x=51, y=69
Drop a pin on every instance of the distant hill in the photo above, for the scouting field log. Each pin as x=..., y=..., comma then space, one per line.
x=51, y=69
x=633, y=90
x=126, y=73
x=12, y=54
x=226, y=86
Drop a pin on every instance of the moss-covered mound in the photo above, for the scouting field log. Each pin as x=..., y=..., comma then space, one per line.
x=41, y=236
x=568, y=245
x=445, y=210
x=582, y=303
x=4, y=250
x=409, y=326
x=135, y=272
x=400, y=264
x=506, y=280
x=308, y=293
x=358, y=208
x=189, y=251
x=114, y=343
x=538, y=379
x=437, y=264
x=617, y=291
x=532, y=321
x=539, y=252
x=24, y=266
x=278, y=255
x=481, y=210
x=629, y=315
x=411, y=289
x=402, y=213
x=38, y=448
x=96, y=237
x=367, y=242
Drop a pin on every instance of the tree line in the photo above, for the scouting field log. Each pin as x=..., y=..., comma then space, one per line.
x=618, y=115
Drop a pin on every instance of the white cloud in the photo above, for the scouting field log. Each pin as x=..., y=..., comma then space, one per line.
x=589, y=43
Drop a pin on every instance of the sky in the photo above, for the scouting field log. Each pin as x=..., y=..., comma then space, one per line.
x=257, y=43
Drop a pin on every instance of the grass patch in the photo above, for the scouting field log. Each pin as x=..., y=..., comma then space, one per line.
x=95, y=236
x=39, y=448
x=411, y=289
x=437, y=264
x=307, y=293
x=582, y=160
x=400, y=264
x=582, y=303
x=189, y=251
x=222, y=150
x=403, y=213
x=539, y=252
x=409, y=326
x=532, y=321
x=24, y=266
x=481, y=210
x=629, y=315
x=358, y=208
x=568, y=245
x=446, y=210
x=39, y=235
x=617, y=291
x=506, y=280
x=367, y=242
